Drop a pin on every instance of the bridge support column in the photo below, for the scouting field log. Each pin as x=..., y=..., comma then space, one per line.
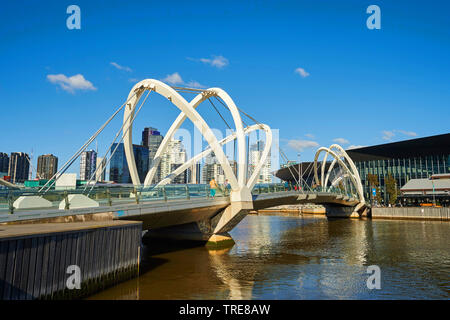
x=231, y=216
x=335, y=211
x=211, y=232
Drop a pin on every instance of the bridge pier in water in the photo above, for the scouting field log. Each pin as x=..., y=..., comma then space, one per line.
x=212, y=232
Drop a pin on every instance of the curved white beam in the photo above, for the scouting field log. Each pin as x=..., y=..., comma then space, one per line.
x=330, y=168
x=268, y=145
x=173, y=96
x=352, y=166
x=239, y=132
x=168, y=137
x=252, y=181
x=352, y=172
x=182, y=117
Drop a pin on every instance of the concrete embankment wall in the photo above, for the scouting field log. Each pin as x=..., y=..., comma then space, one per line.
x=412, y=213
x=297, y=208
x=34, y=258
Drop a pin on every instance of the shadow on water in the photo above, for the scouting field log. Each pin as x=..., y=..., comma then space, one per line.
x=154, y=247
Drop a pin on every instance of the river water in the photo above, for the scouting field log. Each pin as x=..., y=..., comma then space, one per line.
x=287, y=256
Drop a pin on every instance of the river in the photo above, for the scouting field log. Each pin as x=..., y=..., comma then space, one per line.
x=287, y=256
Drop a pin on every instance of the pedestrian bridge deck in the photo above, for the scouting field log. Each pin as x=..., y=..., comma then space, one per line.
x=172, y=208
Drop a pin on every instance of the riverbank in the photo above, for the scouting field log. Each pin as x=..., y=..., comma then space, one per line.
x=413, y=213
x=296, y=208
x=37, y=261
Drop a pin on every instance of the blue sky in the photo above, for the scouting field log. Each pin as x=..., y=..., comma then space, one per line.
x=360, y=86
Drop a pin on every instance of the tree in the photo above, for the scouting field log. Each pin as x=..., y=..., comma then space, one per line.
x=374, y=183
x=341, y=186
x=391, y=188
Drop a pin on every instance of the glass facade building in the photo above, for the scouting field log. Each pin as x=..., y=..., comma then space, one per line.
x=404, y=160
x=19, y=167
x=152, y=138
x=4, y=163
x=88, y=164
x=47, y=166
x=118, y=169
x=402, y=170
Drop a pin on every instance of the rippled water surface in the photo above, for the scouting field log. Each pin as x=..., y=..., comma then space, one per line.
x=295, y=257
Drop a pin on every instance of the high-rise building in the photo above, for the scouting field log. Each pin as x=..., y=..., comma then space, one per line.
x=212, y=169
x=101, y=171
x=88, y=164
x=4, y=163
x=194, y=173
x=19, y=166
x=174, y=156
x=152, y=138
x=181, y=178
x=47, y=166
x=256, y=151
x=118, y=168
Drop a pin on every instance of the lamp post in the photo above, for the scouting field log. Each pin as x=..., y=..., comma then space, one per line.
x=300, y=171
x=434, y=196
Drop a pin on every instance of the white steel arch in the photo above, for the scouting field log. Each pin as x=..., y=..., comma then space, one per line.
x=240, y=190
x=337, y=152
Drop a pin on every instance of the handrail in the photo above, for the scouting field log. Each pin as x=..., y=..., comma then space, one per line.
x=114, y=195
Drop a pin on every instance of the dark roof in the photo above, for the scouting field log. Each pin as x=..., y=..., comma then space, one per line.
x=292, y=172
x=433, y=145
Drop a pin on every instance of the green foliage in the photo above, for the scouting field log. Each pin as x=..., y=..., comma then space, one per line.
x=374, y=183
x=391, y=188
x=373, y=180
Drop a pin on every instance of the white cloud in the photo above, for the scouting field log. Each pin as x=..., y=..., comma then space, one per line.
x=341, y=141
x=302, y=72
x=70, y=84
x=118, y=66
x=216, y=61
x=355, y=147
x=388, y=135
x=300, y=145
x=310, y=135
x=173, y=79
x=194, y=84
x=134, y=80
x=408, y=133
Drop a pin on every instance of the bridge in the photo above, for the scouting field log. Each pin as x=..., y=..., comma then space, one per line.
x=186, y=211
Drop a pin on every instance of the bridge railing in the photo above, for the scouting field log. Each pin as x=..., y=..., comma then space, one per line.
x=129, y=194
x=107, y=196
